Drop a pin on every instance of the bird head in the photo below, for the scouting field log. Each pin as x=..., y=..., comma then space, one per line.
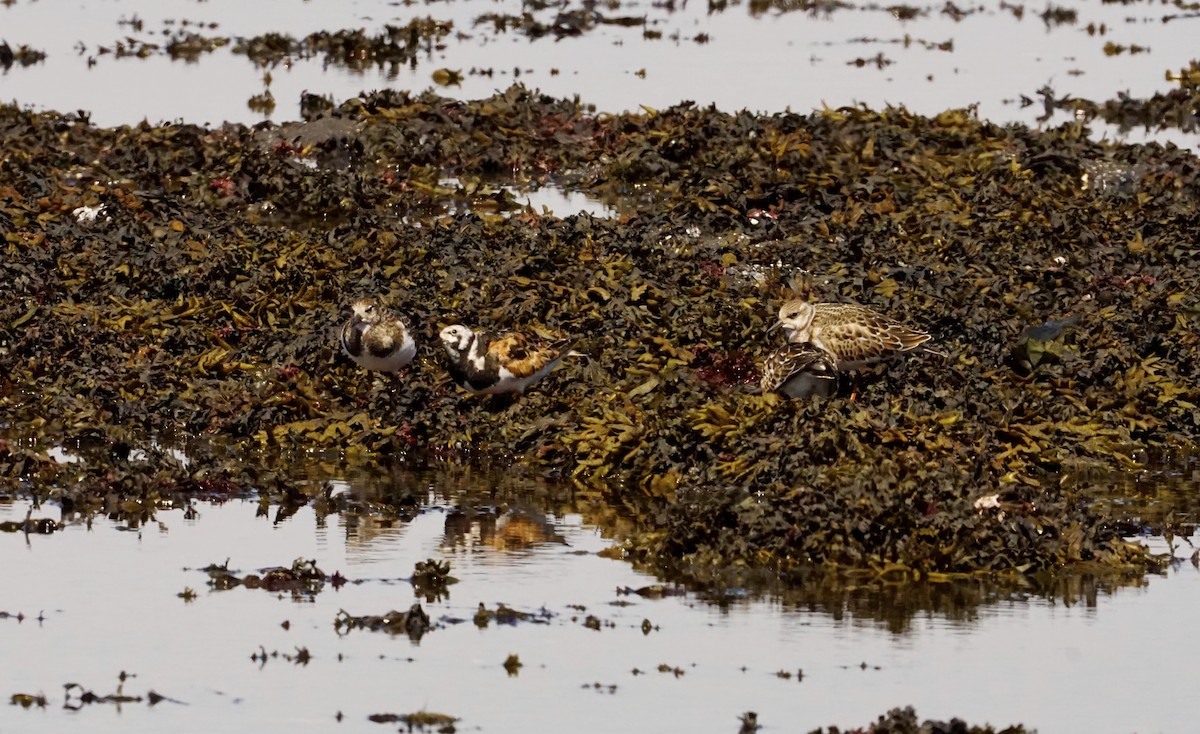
x=795, y=316
x=457, y=339
x=364, y=311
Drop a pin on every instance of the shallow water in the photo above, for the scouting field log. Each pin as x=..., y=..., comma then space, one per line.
x=749, y=58
x=101, y=598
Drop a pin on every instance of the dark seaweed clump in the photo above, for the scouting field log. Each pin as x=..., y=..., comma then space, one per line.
x=22, y=56
x=904, y=721
x=180, y=280
x=302, y=578
x=414, y=623
x=1175, y=108
x=392, y=47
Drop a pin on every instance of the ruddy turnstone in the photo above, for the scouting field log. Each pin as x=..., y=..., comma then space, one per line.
x=853, y=335
x=376, y=338
x=799, y=370
x=498, y=363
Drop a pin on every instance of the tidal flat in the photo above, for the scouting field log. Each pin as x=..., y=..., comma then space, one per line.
x=189, y=461
x=180, y=273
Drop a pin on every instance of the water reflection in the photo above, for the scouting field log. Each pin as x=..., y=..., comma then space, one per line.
x=512, y=529
x=1158, y=494
x=874, y=600
x=852, y=645
x=617, y=57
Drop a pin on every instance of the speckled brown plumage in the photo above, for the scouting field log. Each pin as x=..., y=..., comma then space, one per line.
x=799, y=370
x=855, y=335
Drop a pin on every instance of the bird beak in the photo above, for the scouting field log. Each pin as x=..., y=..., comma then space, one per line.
x=774, y=326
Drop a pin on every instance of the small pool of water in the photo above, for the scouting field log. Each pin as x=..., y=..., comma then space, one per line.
x=101, y=597
x=540, y=199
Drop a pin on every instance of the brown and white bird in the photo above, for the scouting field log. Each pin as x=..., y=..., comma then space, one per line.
x=854, y=335
x=800, y=371
x=499, y=363
x=376, y=338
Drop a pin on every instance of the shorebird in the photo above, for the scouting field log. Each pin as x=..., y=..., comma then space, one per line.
x=483, y=362
x=799, y=370
x=853, y=335
x=377, y=339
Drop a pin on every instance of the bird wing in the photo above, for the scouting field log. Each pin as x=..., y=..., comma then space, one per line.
x=791, y=359
x=857, y=333
x=809, y=358
x=352, y=337
x=524, y=355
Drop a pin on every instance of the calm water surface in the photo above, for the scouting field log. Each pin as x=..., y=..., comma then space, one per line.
x=106, y=595
x=732, y=54
x=101, y=598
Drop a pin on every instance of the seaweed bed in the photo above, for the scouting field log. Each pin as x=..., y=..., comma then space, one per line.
x=182, y=281
x=904, y=721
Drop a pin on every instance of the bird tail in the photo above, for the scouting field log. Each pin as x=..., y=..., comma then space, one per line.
x=908, y=338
